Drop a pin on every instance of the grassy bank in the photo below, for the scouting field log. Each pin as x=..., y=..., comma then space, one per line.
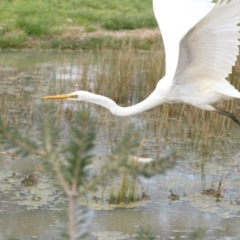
x=71, y=24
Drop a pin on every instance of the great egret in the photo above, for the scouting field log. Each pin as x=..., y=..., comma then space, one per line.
x=201, y=41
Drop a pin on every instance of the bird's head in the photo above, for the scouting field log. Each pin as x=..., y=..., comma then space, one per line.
x=69, y=96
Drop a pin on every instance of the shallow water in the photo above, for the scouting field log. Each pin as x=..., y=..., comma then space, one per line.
x=209, y=148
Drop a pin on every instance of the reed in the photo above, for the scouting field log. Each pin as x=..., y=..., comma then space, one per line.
x=127, y=76
x=125, y=192
x=71, y=160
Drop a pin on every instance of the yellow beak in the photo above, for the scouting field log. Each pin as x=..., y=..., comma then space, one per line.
x=60, y=97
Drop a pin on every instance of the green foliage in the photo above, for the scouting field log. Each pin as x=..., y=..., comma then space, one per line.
x=44, y=18
x=80, y=12
x=70, y=160
x=144, y=233
x=11, y=137
x=121, y=22
x=49, y=132
x=90, y=29
x=12, y=238
x=103, y=43
x=125, y=193
x=34, y=27
x=79, y=149
x=4, y=30
x=198, y=234
x=35, y=19
x=129, y=146
x=13, y=41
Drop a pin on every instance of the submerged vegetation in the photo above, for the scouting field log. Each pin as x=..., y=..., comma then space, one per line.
x=55, y=24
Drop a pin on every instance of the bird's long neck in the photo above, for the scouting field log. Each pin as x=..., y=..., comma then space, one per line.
x=117, y=110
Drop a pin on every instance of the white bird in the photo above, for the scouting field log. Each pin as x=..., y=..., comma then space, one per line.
x=201, y=41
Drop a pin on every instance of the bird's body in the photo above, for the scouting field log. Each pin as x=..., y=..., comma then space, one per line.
x=201, y=44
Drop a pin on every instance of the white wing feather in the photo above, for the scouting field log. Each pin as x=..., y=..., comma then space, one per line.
x=175, y=18
x=211, y=46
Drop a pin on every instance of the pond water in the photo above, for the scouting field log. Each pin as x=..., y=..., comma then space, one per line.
x=205, y=183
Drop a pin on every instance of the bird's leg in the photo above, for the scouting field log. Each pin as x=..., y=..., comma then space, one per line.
x=228, y=114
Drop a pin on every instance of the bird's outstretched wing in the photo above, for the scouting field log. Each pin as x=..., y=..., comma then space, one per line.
x=210, y=48
x=175, y=18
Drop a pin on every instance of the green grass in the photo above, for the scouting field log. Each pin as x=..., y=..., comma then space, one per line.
x=120, y=22
x=15, y=41
x=49, y=18
x=102, y=43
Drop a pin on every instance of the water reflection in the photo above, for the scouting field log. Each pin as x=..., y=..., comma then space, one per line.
x=23, y=224
x=209, y=147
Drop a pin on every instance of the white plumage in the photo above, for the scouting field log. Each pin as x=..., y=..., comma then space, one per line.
x=201, y=44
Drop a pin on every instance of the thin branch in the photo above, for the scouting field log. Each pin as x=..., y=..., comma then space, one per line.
x=107, y=168
x=30, y=149
x=24, y=145
x=55, y=163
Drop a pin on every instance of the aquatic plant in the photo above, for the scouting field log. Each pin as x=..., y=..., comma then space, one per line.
x=125, y=193
x=198, y=233
x=201, y=135
x=69, y=160
x=144, y=233
x=116, y=75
